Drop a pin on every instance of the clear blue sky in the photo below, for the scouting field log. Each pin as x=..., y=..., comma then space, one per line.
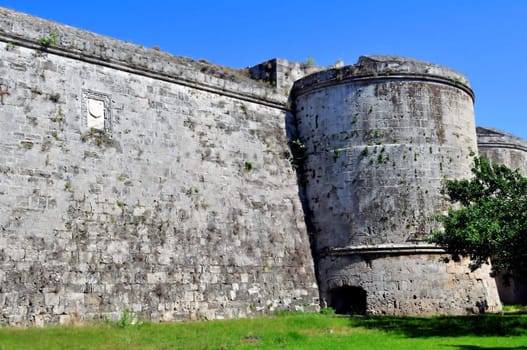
x=485, y=40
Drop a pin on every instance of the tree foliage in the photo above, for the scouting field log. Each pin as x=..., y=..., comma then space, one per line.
x=488, y=219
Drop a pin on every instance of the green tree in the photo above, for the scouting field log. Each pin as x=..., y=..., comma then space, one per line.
x=488, y=219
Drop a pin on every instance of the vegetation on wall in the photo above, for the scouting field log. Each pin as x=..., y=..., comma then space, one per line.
x=48, y=40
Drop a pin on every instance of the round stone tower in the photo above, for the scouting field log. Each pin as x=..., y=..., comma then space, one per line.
x=379, y=138
x=504, y=148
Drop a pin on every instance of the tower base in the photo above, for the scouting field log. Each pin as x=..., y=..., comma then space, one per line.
x=404, y=281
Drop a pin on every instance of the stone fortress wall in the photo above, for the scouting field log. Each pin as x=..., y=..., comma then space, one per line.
x=131, y=179
x=380, y=138
x=135, y=180
x=504, y=148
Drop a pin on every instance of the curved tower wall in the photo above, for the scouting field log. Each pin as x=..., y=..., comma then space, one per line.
x=501, y=147
x=379, y=138
x=504, y=148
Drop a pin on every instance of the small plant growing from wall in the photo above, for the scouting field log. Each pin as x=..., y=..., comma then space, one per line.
x=191, y=190
x=48, y=40
x=298, y=150
x=458, y=80
x=298, y=144
x=121, y=205
x=310, y=61
x=337, y=151
x=126, y=319
x=244, y=109
x=248, y=166
x=59, y=118
x=10, y=46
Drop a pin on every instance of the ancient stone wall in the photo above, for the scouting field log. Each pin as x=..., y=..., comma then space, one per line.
x=379, y=137
x=134, y=180
x=282, y=73
x=131, y=179
x=503, y=148
x=412, y=282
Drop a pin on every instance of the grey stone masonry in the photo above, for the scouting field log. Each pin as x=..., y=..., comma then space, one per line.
x=176, y=189
x=378, y=138
x=134, y=180
x=282, y=73
x=504, y=148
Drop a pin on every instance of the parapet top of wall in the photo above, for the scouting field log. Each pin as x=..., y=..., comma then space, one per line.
x=282, y=73
x=54, y=38
x=493, y=138
x=383, y=67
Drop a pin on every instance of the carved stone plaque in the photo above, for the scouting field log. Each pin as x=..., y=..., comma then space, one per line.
x=95, y=117
x=96, y=111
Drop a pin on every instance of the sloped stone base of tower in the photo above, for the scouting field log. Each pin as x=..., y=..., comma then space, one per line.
x=414, y=284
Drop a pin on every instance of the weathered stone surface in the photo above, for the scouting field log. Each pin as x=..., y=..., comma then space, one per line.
x=504, y=148
x=379, y=137
x=282, y=73
x=419, y=284
x=181, y=204
x=132, y=179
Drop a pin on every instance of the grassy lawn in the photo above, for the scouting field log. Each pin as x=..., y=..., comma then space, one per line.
x=286, y=331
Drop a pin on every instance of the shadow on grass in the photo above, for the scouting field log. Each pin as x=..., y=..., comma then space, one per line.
x=447, y=326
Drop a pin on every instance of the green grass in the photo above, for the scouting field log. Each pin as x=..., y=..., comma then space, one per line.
x=514, y=308
x=286, y=331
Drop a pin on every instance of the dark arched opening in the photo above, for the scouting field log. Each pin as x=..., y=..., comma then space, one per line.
x=348, y=300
